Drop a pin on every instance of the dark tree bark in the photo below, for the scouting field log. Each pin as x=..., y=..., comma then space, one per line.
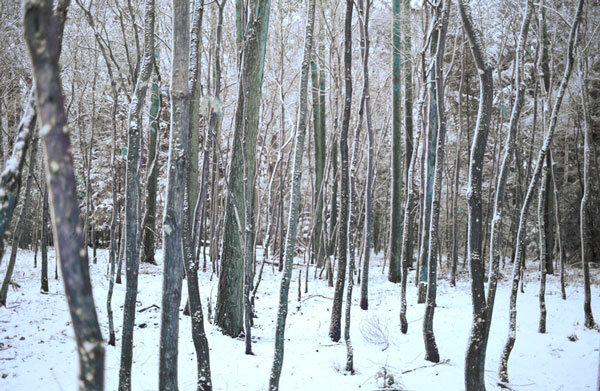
x=409, y=163
x=173, y=228
x=335, y=327
x=318, y=99
x=149, y=221
x=442, y=14
x=229, y=314
x=132, y=252
x=475, y=357
x=365, y=47
x=584, y=218
x=395, y=269
x=43, y=34
x=345, y=231
x=44, y=242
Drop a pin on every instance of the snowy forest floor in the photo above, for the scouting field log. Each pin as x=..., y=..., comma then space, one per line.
x=37, y=349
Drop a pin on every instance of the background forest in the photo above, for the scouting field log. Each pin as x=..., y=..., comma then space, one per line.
x=437, y=156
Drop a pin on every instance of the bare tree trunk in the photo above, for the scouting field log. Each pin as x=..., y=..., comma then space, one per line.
x=365, y=47
x=335, y=328
x=584, y=230
x=512, y=327
x=559, y=234
x=18, y=232
x=442, y=14
x=44, y=242
x=149, y=221
x=43, y=34
x=10, y=181
x=174, y=205
x=132, y=253
x=474, y=367
x=290, y=239
x=395, y=268
x=543, y=200
x=229, y=313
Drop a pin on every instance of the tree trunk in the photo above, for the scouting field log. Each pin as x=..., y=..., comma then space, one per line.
x=174, y=205
x=365, y=47
x=43, y=34
x=442, y=12
x=395, y=269
x=559, y=234
x=474, y=374
x=149, y=222
x=10, y=181
x=19, y=228
x=290, y=239
x=320, y=154
x=44, y=242
x=229, y=313
x=512, y=330
x=584, y=218
x=131, y=198
x=543, y=198
x=335, y=327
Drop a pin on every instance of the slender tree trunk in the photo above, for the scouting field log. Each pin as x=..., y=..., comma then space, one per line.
x=395, y=268
x=19, y=228
x=543, y=198
x=344, y=232
x=335, y=327
x=442, y=12
x=474, y=373
x=559, y=234
x=44, y=242
x=584, y=218
x=320, y=152
x=430, y=150
x=43, y=33
x=512, y=327
x=149, y=221
x=365, y=47
x=174, y=206
x=10, y=181
x=290, y=239
x=131, y=198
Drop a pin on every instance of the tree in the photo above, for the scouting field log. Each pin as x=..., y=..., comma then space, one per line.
x=19, y=229
x=149, y=220
x=190, y=220
x=395, y=271
x=442, y=14
x=132, y=252
x=10, y=181
x=517, y=261
x=44, y=27
x=335, y=327
x=366, y=99
x=583, y=210
x=173, y=228
x=229, y=313
x=475, y=357
x=290, y=240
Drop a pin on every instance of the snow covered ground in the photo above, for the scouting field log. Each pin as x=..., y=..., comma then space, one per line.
x=37, y=349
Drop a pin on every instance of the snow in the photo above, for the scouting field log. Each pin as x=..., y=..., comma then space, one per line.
x=37, y=349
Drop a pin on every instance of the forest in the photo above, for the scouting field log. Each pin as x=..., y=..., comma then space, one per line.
x=319, y=194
